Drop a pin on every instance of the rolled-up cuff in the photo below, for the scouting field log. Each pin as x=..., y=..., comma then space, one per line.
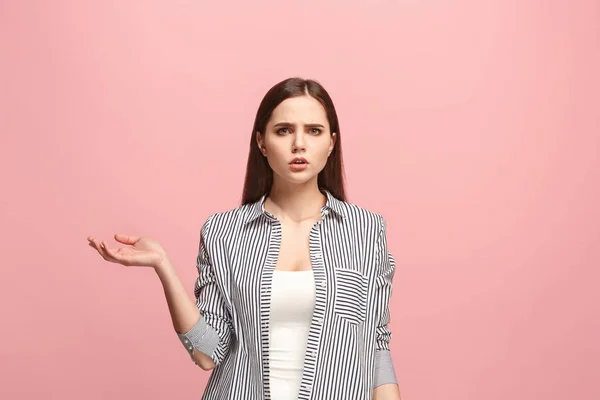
x=384, y=368
x=201, y=337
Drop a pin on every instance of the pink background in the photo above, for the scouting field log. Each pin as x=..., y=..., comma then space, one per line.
x=473, y=126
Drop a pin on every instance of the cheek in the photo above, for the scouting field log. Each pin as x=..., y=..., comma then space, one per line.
x=322, y=148
x=275, y=150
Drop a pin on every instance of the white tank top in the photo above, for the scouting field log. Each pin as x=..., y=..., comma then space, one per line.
x=292, y=305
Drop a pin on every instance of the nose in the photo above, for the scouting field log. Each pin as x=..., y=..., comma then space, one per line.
x=298, y=143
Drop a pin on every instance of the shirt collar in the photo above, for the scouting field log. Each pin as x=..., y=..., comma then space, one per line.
x=257, y=208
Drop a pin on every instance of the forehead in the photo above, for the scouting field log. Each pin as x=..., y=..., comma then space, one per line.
x=302, y=109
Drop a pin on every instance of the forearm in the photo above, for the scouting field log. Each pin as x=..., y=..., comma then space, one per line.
x=388, y=391
x=183, y=310
x=386, y=385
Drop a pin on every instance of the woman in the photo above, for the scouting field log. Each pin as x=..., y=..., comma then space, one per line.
x=293, y=287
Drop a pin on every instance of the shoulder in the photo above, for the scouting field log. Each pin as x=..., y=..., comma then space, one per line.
x=227, y=221
x=362, y=217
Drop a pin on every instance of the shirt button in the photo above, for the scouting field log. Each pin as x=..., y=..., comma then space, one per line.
x=186, y=341
x=320, y=321
x=323, y=284
x=313, y=354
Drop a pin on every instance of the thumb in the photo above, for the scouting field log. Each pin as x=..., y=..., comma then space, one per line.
x=126, y=239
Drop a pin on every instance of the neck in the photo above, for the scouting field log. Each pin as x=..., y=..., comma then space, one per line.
x=295, y=202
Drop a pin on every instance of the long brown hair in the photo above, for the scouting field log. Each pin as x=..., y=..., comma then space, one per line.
x=259, y=175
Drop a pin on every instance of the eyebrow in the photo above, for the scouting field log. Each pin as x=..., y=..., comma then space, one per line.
x=290, y=124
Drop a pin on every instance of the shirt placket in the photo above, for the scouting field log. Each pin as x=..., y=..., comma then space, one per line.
x=265, y=298
x=313, y=346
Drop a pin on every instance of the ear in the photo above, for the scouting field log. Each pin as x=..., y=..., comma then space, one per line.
x=261, y=143
x=332, y=142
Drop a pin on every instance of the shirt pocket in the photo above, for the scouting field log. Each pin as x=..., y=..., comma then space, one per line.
x=350, y=296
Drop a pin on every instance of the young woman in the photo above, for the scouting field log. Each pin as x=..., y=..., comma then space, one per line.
x=293, y=286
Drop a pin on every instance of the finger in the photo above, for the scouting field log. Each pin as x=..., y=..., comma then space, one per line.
x=101, y=248
x=126, y=239
x=94, y=243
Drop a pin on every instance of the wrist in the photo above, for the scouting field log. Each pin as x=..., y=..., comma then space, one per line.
x=163, y=265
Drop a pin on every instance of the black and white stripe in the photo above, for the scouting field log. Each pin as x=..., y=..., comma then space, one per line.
x=347, y=353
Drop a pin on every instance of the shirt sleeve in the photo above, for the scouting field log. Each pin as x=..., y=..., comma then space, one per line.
x=213, y=333
x=386, y=266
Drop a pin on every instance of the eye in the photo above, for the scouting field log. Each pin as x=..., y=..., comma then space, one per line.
x=315, y=131
x=283, y=131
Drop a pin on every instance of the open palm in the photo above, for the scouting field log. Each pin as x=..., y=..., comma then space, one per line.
x=143, y=252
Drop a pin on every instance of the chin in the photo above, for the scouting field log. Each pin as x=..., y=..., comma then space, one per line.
x=296, y=178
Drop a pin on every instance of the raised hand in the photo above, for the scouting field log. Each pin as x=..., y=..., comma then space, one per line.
x=142, y=252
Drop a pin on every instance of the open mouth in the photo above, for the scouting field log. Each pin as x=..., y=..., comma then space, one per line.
x=299, y=161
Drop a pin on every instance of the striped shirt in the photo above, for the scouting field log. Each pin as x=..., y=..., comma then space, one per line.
x=347, y=351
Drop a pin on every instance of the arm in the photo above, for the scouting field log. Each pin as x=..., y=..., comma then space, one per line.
x=386, y=385
x=388, y=391
x=184, y=313
x=204, y=328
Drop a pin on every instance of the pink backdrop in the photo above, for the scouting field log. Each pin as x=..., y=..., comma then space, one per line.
x=472, y=126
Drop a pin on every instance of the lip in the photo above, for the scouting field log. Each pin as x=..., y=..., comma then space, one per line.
x=299, y=159
x=298, y=167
